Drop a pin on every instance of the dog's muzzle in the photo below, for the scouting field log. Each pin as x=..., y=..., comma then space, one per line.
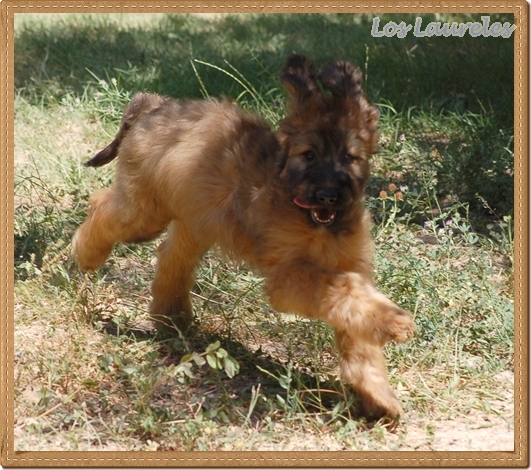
x=320, y=213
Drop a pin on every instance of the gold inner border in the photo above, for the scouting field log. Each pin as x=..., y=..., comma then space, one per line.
x=518, y=458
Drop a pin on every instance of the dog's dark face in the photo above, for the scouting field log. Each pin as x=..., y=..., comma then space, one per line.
x=327, y=140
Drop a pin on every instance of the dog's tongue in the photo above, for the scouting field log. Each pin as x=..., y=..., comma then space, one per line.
x=301, y=203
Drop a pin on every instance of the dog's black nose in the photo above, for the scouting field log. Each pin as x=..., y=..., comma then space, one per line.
x=326, y=196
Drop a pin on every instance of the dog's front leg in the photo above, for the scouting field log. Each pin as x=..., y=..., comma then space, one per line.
x=363, y=365
x=363, y=320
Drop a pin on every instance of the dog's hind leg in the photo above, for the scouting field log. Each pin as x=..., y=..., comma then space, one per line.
x=112, y=218
x=177, y=260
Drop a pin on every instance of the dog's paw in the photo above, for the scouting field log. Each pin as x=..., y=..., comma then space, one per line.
x=87, y=259
x=400, y=325
x=391, y=323
x=380, y=403
x=172, y=317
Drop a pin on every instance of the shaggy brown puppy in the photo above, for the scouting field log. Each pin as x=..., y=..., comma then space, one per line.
x=290, y=203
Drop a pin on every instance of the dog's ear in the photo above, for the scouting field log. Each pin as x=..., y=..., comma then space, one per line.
x=344, y=81
x=298, y=76
x=341, y=79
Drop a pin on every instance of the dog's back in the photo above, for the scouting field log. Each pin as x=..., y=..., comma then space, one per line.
x=196, y=160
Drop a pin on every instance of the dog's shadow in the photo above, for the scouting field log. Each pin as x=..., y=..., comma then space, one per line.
x=264, y=384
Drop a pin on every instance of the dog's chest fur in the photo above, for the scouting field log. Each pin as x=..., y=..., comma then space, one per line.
x=285, y=236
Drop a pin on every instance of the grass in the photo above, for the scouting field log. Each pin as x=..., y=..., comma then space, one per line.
x=90, y=372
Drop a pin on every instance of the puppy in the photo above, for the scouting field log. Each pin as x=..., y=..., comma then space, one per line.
x=289, y=202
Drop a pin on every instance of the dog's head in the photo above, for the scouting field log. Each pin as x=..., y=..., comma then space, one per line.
x=327, y=139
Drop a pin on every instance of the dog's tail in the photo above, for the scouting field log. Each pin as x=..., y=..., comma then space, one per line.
x=142, y=103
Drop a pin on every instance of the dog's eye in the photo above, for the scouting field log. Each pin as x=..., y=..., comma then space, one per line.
x=309, y=155
x=349, y=158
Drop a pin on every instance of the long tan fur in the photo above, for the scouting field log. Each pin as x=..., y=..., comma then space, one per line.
x=289, y=202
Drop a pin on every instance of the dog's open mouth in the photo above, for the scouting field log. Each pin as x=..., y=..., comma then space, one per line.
x=320, y=215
